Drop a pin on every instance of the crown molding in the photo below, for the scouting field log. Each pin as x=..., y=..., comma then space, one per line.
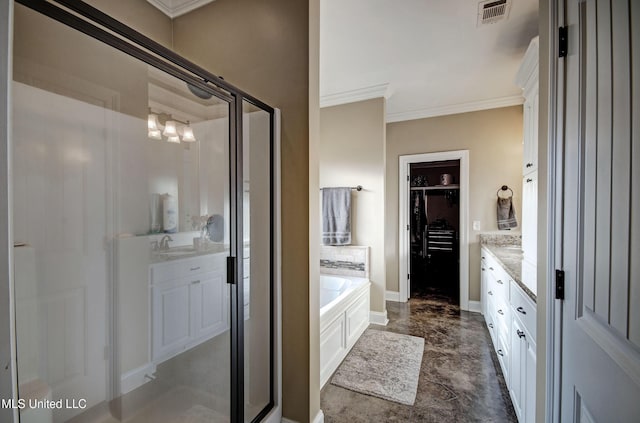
x=175, y=8
x=359, y=94
x=451, y=109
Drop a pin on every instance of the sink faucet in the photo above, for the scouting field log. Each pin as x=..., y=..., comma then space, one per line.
x=164, y=242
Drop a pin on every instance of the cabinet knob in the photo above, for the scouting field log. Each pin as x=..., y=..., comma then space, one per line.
x=491, y=325
x=520, y=333
x=529, y=180
x=194, y=268
x=501, y=312
x=500, y=282
x=500, y=353
x=521, y=310
x=490, y=268
x=529, y=164
x=490, y=293
x=483, y=269
x=195, y=282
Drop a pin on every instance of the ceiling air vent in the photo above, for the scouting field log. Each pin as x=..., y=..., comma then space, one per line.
x=493, y=11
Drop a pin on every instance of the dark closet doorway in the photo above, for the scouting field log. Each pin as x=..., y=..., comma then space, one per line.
x=434, y=229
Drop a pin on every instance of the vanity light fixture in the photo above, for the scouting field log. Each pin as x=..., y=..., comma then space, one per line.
x=173, y=130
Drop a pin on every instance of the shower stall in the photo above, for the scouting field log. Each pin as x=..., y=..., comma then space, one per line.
x=144, y=229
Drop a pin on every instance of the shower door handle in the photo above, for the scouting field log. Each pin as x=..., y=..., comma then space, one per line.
x=232, y=270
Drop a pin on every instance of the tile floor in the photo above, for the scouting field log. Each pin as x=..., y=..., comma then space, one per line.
x=460, y=378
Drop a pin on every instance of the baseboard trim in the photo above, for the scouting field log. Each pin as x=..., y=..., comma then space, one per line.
x=137, y=377
x=392, y=296
x=319, y=418
x=378, y=318
x=475, y=307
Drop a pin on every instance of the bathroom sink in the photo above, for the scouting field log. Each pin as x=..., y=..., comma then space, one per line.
x=177, y=251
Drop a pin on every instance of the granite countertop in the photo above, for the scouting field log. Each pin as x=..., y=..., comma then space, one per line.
x=507, y=250
x=184, y=252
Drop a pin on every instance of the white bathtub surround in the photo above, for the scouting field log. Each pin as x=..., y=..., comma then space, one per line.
x=344, y=316
x=351, y=260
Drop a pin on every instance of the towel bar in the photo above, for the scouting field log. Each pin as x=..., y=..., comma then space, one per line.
x=358, y=188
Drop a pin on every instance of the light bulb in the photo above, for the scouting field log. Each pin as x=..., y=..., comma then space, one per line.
x=175, y=139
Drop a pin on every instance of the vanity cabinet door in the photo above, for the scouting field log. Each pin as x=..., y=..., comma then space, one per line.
x=484, y=283
x=171, y=318
x=518, y=371
x=529, y=218
x=530, y=382
x=208, y=305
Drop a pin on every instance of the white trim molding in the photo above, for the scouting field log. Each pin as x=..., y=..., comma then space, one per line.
x=378, y=318
x=137, y=377
x=475, y=307
x=319, y=418
x=359, y=94
x=175, y=8
x=403, y=219
x=392, y=296
x=451, y=109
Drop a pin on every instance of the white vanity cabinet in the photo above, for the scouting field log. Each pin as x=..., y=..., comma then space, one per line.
x=497, y=308
x=510, y=315
x=522, y=384
x=527, y=79
x=188, y=304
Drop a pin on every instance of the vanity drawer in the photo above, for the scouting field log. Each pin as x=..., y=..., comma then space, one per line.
x=180, y=268
x=524, y=308
x=499, y=287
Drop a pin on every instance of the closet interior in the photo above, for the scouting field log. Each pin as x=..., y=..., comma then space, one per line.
x=434, y=228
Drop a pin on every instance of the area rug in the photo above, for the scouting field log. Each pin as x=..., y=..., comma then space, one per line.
x=384, y=365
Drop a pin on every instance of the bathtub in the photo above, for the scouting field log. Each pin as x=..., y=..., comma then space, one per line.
x=344, y=315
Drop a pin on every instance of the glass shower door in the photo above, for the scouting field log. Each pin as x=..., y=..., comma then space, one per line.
x=257, y=281
x=122, y=222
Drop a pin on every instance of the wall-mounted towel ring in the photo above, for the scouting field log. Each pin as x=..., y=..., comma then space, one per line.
x=504, y=188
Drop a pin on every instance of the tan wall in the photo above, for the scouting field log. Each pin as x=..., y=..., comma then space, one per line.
x=494, y=140
x=263, y=48
x=141, y=16
x=352, y=138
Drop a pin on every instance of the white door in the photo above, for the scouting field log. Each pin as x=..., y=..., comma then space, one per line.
x=60, y=179
x=600, y=365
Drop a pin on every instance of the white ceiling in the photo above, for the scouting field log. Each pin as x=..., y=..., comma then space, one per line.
x=428, y=57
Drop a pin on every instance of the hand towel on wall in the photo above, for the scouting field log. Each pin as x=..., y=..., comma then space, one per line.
x=336, y=216
x=506, y=213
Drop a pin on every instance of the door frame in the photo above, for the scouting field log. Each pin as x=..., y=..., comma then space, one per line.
x=553, y=247
x=403, y=208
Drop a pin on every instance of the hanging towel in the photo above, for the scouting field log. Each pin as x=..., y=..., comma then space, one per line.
x=336, y=216
x=506, y=214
